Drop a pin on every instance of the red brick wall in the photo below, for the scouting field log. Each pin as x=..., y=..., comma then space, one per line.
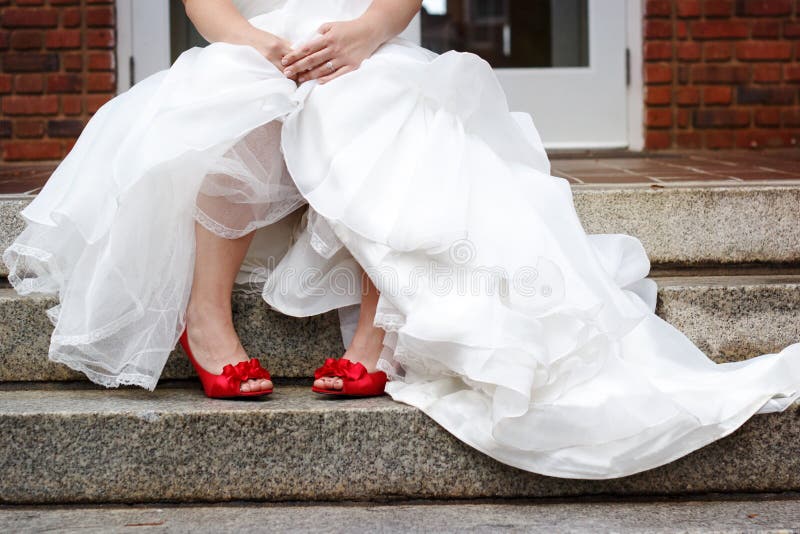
x=722, y=73
x=56, y=68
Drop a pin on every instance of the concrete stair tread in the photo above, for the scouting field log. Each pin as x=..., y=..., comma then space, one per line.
x=778, y=514
x=62, y=445
x=64, y=400
x=725, y=280
x=678, y=222
x=721, y=278
x=729, y=317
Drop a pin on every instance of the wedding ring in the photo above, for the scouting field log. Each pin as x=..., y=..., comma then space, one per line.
x=329, y=64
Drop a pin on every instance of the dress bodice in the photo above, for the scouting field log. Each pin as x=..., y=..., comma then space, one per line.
x=298, y=20
x=251, y=8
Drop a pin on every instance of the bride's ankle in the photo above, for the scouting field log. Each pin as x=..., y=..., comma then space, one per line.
x=200, y=312
x=369, y=344
x=367, y=356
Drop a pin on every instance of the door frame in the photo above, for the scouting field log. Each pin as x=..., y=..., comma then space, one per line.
x=143, y=40
x=145, y=47
x=634, y=19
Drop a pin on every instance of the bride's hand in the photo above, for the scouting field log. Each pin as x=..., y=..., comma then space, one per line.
x=270, y=46
x=340, y=49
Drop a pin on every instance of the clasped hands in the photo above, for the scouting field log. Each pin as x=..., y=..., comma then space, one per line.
x=339, y=48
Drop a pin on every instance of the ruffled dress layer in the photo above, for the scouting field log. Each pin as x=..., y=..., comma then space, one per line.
x=506, y=323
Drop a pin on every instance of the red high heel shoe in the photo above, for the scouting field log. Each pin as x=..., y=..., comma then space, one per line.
x=227, y=385
x=356, y=381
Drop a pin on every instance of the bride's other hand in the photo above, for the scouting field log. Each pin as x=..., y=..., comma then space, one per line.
x=270, y=46
x=343, y=46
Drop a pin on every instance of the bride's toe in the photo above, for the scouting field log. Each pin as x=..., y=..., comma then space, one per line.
x=257, y=384
x=333, y=382
x=328, y=382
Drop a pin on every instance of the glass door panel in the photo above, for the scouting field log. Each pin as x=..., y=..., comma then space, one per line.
x=563, y=61
x=182, y=33
x=510, y=34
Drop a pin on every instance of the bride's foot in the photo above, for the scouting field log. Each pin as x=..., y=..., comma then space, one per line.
x=365, y=349
x=215, y=344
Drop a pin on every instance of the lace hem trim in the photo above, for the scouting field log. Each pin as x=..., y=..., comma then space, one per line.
x=223, y=231
x=122, y=379
x=390, y=322
x=25, y=286
x=322, y=248
x=98, y=334
x=26, y=250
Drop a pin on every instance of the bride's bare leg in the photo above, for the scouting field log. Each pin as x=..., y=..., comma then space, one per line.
x=209, y=317
x=368, y=339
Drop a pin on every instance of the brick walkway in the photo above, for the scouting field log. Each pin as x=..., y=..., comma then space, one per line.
x=686, y=167
x=23, y=179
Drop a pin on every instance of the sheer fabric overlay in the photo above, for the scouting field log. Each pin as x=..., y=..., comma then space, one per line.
x=112, y=234
x=506, y=323
x=248, y=187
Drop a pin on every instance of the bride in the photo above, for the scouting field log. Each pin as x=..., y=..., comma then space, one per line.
x=310, y=151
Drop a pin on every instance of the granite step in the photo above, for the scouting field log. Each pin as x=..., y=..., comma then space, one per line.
x=289, y=346
x=776, y=514
x=729, y=317
x=678, y=222
x=11, y=223
x=83, y=445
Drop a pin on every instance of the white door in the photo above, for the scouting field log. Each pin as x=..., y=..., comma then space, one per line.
x=562, y=61
x=143, y=40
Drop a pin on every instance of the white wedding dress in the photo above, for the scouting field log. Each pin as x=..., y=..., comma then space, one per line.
x=508, y=325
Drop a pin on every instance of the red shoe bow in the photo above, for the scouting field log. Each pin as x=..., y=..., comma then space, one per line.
x=228, y=384
x=242, y=371
x=342, y=368
x=356, y=381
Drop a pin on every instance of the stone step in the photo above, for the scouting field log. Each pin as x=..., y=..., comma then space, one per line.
x=11, y=224
x=289, y=346
x=728, y=317
x=68, y=445
x=679, y=223
x=747, y=513
x=699, y=224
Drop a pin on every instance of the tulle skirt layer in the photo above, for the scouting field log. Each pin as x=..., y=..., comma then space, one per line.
x=112, y=233
x=520, y=334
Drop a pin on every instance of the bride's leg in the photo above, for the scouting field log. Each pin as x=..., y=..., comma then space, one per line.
x=209, y=317
x=368, y=339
